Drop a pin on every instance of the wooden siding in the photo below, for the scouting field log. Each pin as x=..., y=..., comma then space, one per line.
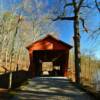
x=48, y=44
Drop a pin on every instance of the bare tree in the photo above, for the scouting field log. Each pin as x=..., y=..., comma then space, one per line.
x=97, y=3
x=19, y=27
x=75, y=7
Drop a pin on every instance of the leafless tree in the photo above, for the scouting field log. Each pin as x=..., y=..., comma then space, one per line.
x=72, y=10
x=19, y=27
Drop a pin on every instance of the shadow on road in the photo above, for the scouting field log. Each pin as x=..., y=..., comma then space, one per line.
x=51, y=89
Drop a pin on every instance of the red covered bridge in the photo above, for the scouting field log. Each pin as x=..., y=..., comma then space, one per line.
x=49, y=57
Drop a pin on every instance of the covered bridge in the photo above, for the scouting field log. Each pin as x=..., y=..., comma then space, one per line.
x=48, y=57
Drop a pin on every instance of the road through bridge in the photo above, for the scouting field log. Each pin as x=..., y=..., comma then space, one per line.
x=50, y=88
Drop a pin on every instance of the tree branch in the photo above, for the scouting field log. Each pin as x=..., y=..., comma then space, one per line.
x=97, y=30
x=63, y=18
x=83, y=24
x=74, y=2
x=68, y=4
x=86, y=6
x=97, y=5
x=80, y=3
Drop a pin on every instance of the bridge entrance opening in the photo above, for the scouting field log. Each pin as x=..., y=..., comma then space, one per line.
x=49, y=62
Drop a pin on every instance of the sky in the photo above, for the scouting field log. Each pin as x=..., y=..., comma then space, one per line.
x=92, y=45
x=65, y=28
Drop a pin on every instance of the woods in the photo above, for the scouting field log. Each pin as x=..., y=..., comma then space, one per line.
x=9, y=33
x=17, y=31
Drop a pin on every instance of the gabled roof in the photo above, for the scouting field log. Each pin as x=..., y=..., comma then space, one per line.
x=52, y=37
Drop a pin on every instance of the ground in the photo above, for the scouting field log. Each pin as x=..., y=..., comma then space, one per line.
x=49, y=88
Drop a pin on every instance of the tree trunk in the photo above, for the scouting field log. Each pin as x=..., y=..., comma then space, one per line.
x=77, y=47
x=11, y=53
